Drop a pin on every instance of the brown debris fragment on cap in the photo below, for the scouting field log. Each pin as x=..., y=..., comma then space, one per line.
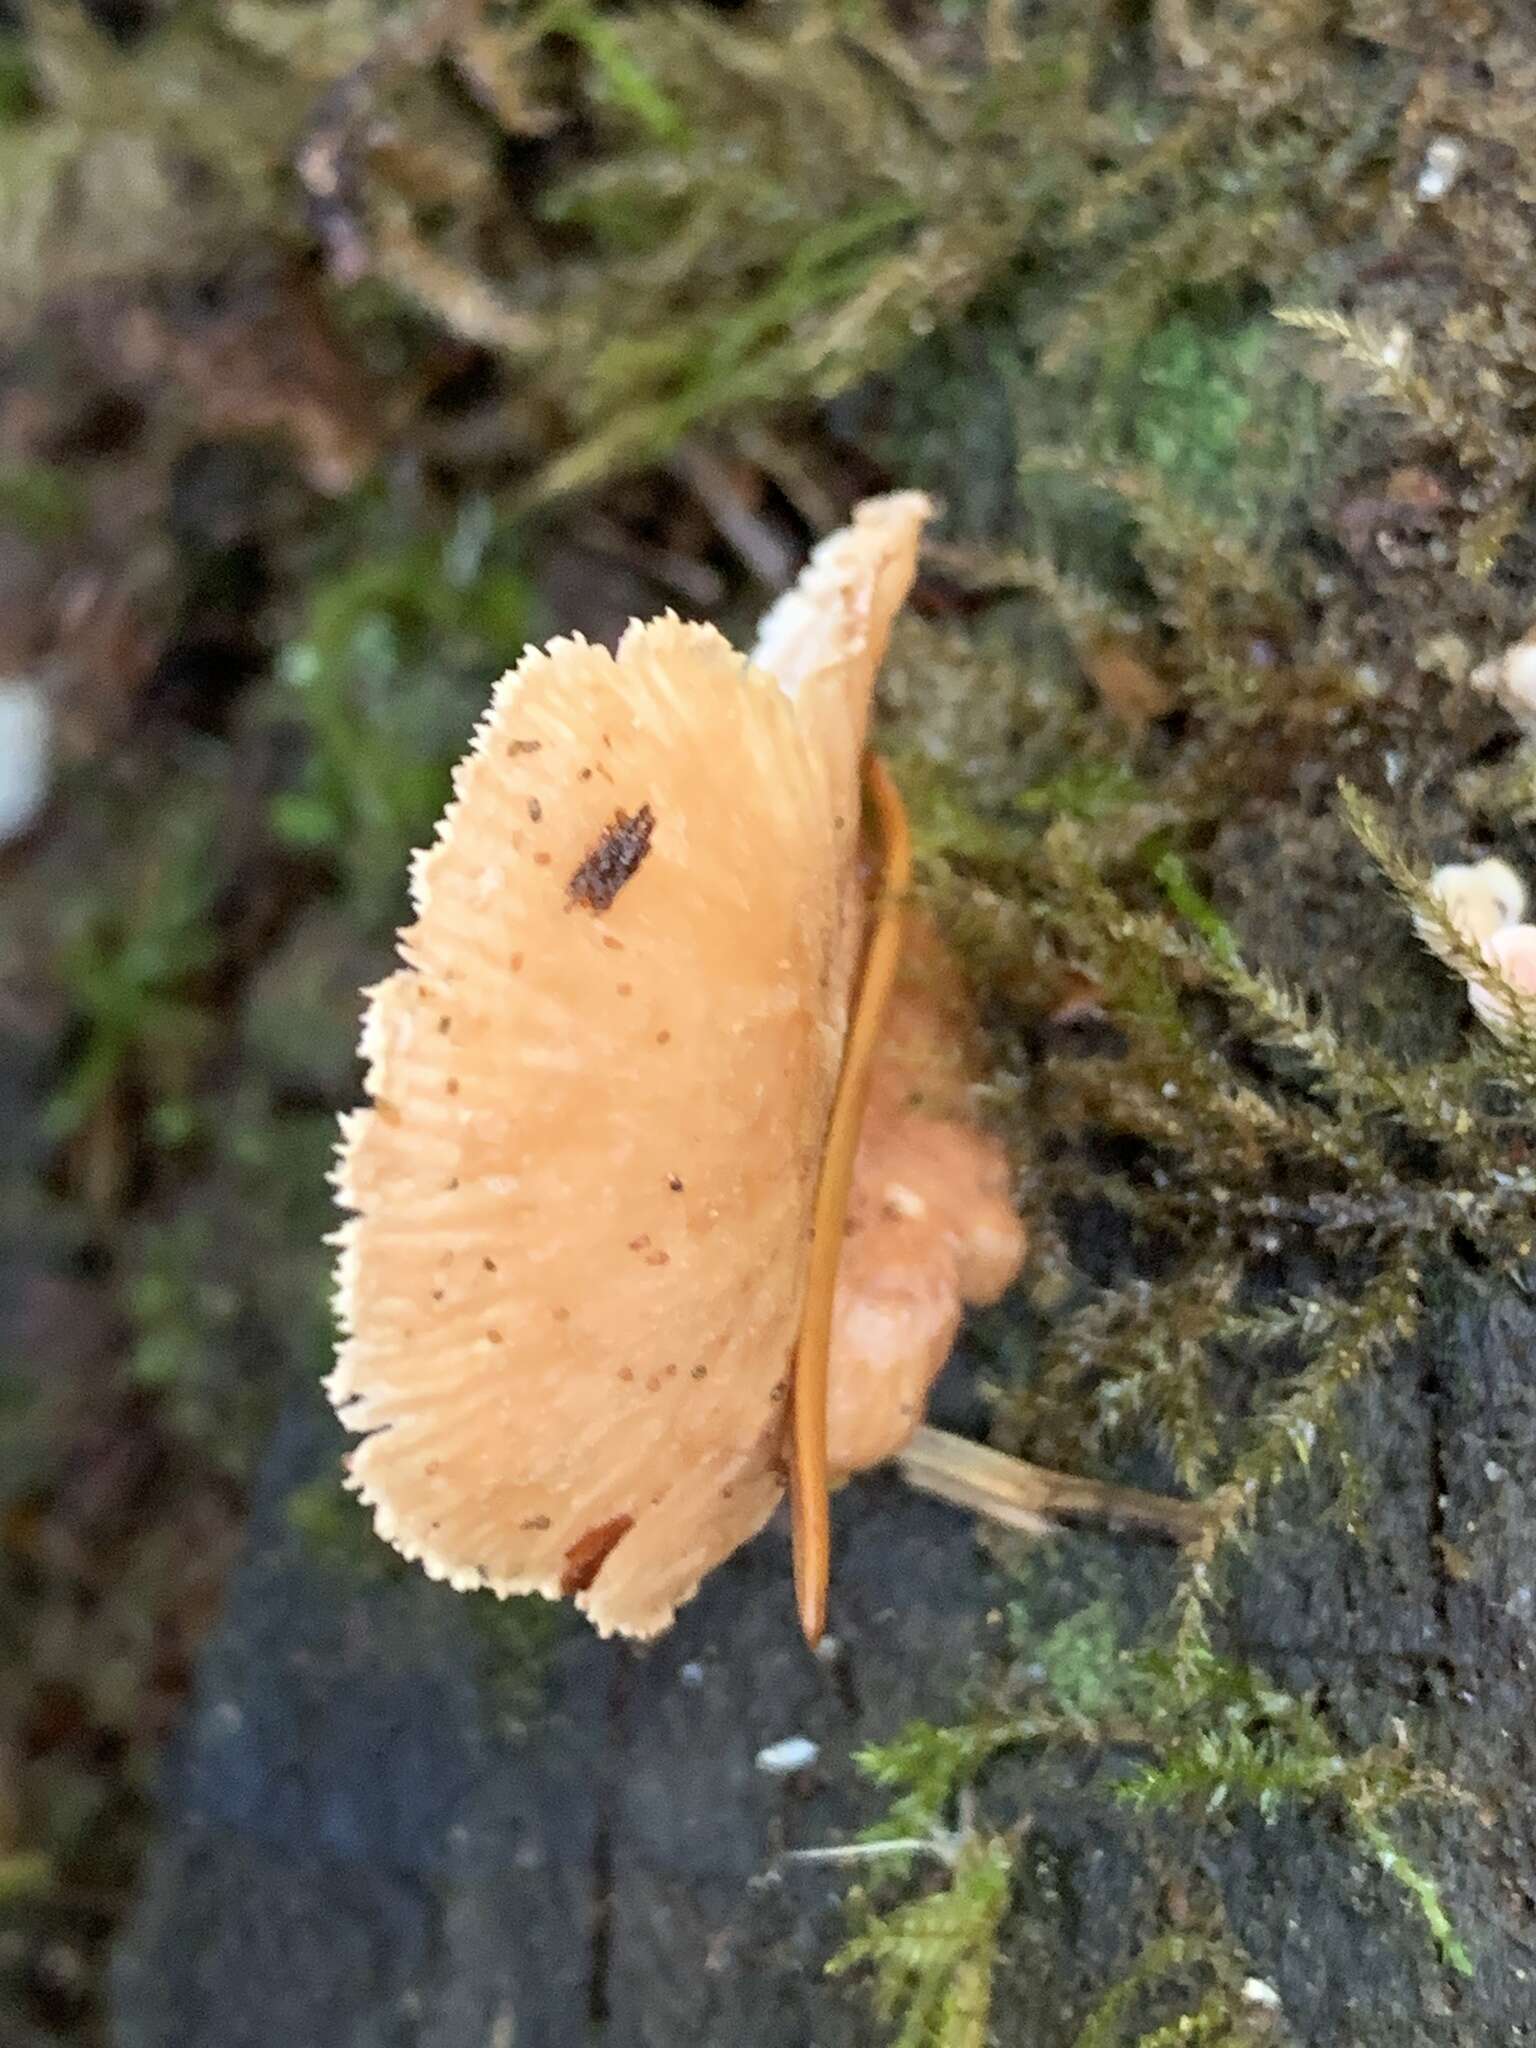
x=614, y=859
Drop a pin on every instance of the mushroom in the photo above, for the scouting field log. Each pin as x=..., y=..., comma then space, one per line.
x=1510, y=679
x=1484, y=902
x=26, y=730
x=1478, y=898
x=930, y=1223
x=1507, y=1005
x=596, y=1254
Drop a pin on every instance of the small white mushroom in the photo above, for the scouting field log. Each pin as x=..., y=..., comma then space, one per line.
x=1442, y=166
x=794, y=1753
x=1478, y=898
x=1510, y=678
x=26, y=748
x=1508, y=1007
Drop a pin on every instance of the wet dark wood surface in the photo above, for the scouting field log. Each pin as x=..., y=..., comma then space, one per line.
x=373, y=1837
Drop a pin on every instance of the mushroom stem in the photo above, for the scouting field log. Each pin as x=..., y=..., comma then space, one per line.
x=1031, y=1498
x=809, y=1519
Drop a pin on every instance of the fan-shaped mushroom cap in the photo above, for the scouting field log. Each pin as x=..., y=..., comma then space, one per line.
x=599, y=1086
x=570, y=1289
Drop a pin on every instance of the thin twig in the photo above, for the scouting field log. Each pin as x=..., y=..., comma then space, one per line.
x=328, y=156
x=763, y=547
x=1034, y=1499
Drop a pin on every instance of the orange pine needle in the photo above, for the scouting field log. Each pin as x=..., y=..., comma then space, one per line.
x=809, y=1519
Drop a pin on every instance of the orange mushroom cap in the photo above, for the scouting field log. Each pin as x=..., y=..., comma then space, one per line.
x=570, y=1286
x=931, y=1223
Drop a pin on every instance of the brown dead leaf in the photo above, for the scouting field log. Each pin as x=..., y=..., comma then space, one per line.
x=1128, y=688
x=1078, y=996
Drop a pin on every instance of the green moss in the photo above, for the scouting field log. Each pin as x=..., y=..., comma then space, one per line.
x=132, y=962
x=519, y=1638
x=1161, y=485
x=1219, y=412
x=771, y=206
x=16, y=94
x=1177, y=1731
x=931, y=1961
x=41, y=500
x=515, y=1638
x=25, y=1874
x=624, y=81
x=337, y=1530
x=1192, y=906
x=385, y=677
x=183, y=1312
x=96, y=143
x=762, y=208
x=1078, y=1662
x=1172, y=1971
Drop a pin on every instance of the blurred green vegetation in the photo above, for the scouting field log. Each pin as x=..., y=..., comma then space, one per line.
x=385, y=675
x=131, y=963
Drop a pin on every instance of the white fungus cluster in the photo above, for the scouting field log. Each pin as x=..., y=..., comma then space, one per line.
x=1484, y=902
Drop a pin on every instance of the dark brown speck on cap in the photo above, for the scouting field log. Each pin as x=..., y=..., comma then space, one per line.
x=614, y=859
